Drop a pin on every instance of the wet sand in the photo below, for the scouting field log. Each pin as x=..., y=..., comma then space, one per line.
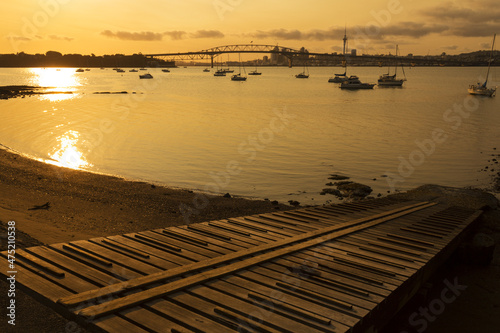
x=83, y=205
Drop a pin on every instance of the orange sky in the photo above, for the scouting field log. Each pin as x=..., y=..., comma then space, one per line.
x=159, y=26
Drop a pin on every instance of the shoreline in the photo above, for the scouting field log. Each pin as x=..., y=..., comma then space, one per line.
x=84, y=204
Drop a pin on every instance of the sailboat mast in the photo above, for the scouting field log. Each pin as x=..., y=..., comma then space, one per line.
x=396, y=65
x=491, y=58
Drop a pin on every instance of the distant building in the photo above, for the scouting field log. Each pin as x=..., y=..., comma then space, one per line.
x=353, y=52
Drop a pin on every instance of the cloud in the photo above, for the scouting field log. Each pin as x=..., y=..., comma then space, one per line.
x=477, y=19
x=207, y=34
x=175, y=35
x=156, y=36
x=451, y=47
x=316, y=34
x=64, y=38
x=134, y=36
x=356, y=34
x=16, y=38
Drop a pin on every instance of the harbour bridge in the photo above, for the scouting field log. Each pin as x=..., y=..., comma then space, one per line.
x=302, y=56
x=289, y=53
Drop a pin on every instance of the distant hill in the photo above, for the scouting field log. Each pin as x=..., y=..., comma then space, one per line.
x=56, y=59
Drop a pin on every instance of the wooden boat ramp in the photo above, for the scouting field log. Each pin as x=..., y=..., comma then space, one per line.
x=338, y=268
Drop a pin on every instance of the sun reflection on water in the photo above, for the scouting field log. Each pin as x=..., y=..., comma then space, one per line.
x=61, y=83
x=67, y=154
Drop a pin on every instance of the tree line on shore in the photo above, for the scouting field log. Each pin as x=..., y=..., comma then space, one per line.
x=57, y=59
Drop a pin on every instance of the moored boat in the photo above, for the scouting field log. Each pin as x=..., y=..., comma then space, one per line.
x=146, y=76
x=482, y=89
x=339, y=78
x=387, y=80
x=354, y=83
x=254, y=72
x=238, y=77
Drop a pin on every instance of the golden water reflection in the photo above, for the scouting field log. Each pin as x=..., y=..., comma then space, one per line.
x=58, y=81
x=67, y=153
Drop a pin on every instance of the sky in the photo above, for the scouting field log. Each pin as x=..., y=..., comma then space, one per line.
x=100, y=27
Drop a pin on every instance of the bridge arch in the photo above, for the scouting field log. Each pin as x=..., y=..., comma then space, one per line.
x=212, y=53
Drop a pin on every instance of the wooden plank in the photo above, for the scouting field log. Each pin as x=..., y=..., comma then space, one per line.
x=273, y=319
x=129, y=251
x=265, y=227
x=329, y=280
x=117, y=324
x=69, y=281
x=163, y=254
x=189, y=318
x=209, y=251
x=152, y=321
x=29, y=259
x=116, y=257
x=352, y=250
x=306, y=241
x=34, y=283
x=233, y=245
x=86, y=272
x=87, y=259
x=344, y=301
x=241, y=234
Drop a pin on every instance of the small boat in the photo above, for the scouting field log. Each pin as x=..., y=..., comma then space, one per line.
x=227, y=70
x=142, y=69
x=79, y=70
x=304, y=74
x=482, y=89
x=119, y=70
x=87, y=69
x=206, y=70
x=386, y=80
x=219, y=72
x=165, y=71
x=255, y=72
x=339, y=78
x=354, y=83
x=133, y=70
x=146, y=76
x=238, y=77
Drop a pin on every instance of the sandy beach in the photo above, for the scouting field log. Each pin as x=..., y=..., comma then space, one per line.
x=52, y=204
x=82, y=205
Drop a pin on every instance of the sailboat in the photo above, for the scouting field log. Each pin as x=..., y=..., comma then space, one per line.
x=339, y=78
x=255, y=72
x=303, y=75
x=238, y=77
x=219, y=72
x=387, y=80
x=482, y=89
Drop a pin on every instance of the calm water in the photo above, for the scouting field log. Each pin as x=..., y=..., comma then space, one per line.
x=272, y=136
